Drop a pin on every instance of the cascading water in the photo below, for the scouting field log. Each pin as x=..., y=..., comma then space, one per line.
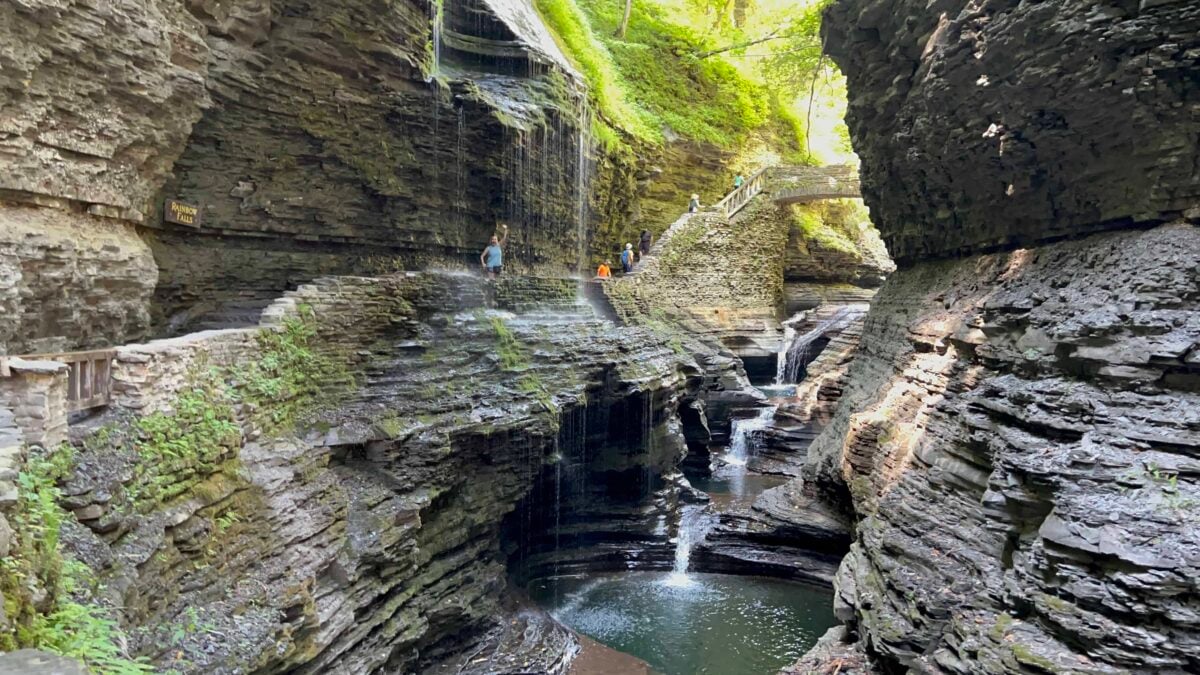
x=435, y=20
x=795, y=351
x=742, y=436
x=694, y=524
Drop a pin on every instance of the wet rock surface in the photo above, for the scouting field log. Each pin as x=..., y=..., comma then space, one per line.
x=314, y=138
x=974, y=138
x=380, y=537
x=1019, y=437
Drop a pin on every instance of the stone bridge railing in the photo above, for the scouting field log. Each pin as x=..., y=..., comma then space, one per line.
x=784, y=185
x=799, y=184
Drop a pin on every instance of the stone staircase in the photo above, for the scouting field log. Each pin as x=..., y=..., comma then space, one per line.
x=782, y=184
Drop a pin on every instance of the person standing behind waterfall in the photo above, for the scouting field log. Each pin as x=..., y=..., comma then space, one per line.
x=694, y=204
x=627, y=258
x=492, y=257
x=644, y=243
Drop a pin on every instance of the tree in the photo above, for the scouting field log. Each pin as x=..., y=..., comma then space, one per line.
x=624, y=27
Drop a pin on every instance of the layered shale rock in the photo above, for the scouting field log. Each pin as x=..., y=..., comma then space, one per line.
x=1020, y=435
x=1018, y=431
x=312, y=138
x=987, y=124
x=243, y=520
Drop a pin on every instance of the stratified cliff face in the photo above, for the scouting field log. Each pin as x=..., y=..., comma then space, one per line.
x=1019, y=435
x=987, y=124
x=315, y=138
x=337, y=134
x=361, y=532
x=1019, y=431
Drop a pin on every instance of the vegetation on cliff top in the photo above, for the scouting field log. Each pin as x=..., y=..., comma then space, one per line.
x=655, y=81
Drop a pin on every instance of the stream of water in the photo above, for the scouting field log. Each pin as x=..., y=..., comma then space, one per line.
x=794, y=354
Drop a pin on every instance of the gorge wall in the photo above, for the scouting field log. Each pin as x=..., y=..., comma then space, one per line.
x=972, y=138
x=341, y=490
x=315, y=138
x=1018, y=430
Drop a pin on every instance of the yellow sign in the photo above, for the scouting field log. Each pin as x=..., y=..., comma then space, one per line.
x=180, y=213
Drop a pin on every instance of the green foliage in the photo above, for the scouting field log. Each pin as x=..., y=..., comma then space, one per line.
x=651, y=81
x=85, y=632
x=65, y=621
x=511, y=353
x=289, y=373
x=827, y=232
x=530, y=383
x=226, y=520
x=390, y=424
x=592, y=58
x=797, y=59
x=176, y=449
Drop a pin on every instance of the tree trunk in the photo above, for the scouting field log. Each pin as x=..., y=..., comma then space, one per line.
x=625, y=20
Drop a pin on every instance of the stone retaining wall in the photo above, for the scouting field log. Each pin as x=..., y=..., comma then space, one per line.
x=36, y=393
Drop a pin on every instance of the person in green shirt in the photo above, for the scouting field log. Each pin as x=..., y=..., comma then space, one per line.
x=738, y=181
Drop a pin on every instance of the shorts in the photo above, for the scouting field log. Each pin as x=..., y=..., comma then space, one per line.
x=496, y=270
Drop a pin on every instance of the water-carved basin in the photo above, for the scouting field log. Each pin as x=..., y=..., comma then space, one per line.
x=703, y=623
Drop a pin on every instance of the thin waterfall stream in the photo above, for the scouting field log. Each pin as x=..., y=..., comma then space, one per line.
x=694, y=523
x=796, y=351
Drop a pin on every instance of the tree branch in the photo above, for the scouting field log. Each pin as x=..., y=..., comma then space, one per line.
x=751, y=43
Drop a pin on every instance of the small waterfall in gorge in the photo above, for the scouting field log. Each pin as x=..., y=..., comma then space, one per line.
x=582, y=181
x=694, y=524
x=740, y=436
x=435, y=20
x=794, y=353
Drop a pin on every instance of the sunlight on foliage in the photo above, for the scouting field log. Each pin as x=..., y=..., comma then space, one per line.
x=652, y=86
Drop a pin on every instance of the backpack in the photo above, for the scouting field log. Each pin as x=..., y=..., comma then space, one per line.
x=626, y=256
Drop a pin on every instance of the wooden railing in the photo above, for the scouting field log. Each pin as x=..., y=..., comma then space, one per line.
x=89, y=376
x=734, y=201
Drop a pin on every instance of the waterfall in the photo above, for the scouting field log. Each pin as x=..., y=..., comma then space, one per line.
x=460, y=169
x=694, y=524
x=582, y=179
x=741, y=441
x=435, y=20
x=794, y=354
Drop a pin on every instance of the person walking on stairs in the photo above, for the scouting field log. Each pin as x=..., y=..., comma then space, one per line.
x=492, y=258
x=738, y=181
x=604, y=272
x=644, y=243
x=627, y=258
x=694, y=205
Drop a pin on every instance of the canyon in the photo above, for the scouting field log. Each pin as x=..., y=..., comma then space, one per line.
x=956, y=434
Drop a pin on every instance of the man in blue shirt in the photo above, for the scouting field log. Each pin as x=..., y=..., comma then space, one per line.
x=492, y=257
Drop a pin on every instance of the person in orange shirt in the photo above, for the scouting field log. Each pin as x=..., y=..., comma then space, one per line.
x=604, y=271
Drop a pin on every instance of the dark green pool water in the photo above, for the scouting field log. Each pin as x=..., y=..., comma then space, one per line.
x=710, y=623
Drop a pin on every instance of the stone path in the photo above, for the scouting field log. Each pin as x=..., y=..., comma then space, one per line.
x=783, y=184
